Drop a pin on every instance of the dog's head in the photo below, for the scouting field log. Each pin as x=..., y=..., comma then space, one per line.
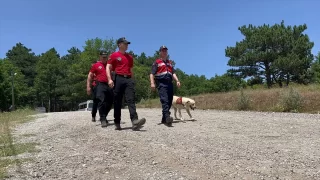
x=191, y=103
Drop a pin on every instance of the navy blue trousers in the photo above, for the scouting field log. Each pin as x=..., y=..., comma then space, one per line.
x=166, y=96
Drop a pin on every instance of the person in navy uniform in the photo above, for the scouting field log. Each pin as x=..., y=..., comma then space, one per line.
x=121, y=63
x=161, y=76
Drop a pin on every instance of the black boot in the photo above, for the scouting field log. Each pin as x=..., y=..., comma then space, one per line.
x=118, y=127
x=137, y=123
x=169, y=121
x=104, y=122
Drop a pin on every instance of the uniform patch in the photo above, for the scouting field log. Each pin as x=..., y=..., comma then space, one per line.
x=179, y=100
x=119, y=58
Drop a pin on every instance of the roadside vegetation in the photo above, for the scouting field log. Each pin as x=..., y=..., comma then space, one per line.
x=9, y=148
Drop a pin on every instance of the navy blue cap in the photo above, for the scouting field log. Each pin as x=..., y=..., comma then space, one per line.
x=163, y=47
x=103, y=53
x=123, y=40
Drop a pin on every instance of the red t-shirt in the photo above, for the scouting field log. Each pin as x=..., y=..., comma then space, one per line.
x=99, y=69
x=121, y=63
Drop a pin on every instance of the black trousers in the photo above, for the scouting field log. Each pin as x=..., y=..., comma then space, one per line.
x=95, y=101
x=165, y=90
x=104, y=96
x=124, y=86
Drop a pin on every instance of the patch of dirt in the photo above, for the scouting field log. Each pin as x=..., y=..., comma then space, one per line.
x=219, y=145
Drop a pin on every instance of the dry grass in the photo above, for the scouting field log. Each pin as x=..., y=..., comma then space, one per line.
x=295, y=98
x=8, y=147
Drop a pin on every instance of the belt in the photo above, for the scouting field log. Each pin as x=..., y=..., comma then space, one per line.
x=164, y=80
x=124, y=75
x=99, y=82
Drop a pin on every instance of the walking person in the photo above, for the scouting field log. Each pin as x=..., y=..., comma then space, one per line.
x=161, y=76
x=104, y=94
x=122, y=63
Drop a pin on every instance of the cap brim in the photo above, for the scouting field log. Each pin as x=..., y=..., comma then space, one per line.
x=126, y=42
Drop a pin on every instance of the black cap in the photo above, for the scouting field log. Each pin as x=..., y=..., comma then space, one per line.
x=123, y=40
x=103, y=53
x=163, y=47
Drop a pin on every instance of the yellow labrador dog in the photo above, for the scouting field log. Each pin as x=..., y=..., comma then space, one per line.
x=179, y=103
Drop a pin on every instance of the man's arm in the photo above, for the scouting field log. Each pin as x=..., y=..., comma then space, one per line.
x=109, y=67
x=154, y=69
x=174, y=75
x=151, y=78
x=89, y=79
x=110, y=64
x=91, y=75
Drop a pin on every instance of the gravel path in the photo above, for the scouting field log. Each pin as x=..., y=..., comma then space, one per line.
x=219, y=145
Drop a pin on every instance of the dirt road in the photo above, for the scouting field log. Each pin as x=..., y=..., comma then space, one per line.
x=219, y=145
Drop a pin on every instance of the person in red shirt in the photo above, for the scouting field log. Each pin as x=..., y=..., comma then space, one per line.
x=123, y=84
x=163, y=73
x=104, y=94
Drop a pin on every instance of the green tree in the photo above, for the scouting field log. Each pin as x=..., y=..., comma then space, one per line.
x=48, y=72
x=315, y=69
x=67, y=100
x=276, y=52
x=225, y=83
x=25, y=60
x=20, y=95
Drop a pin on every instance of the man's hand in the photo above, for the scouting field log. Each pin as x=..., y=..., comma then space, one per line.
x=89, y=91
x=178, y=84
x=153, y=86
x=111, y=84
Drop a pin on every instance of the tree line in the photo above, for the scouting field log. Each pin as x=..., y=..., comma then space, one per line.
x=269, y=55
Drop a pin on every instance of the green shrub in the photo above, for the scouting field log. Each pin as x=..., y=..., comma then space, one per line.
x=243, y=101
x=291, y=100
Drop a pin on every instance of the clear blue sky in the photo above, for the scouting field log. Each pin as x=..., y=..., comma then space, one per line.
x=196, y=32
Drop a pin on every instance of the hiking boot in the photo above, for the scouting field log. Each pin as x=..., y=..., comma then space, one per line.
x=93, y=119
x=104, y=123
x=118, y=127
x=169, y=121
x=136, y=124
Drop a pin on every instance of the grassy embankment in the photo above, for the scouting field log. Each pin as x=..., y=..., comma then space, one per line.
x=295, y=98
x=8, y=147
